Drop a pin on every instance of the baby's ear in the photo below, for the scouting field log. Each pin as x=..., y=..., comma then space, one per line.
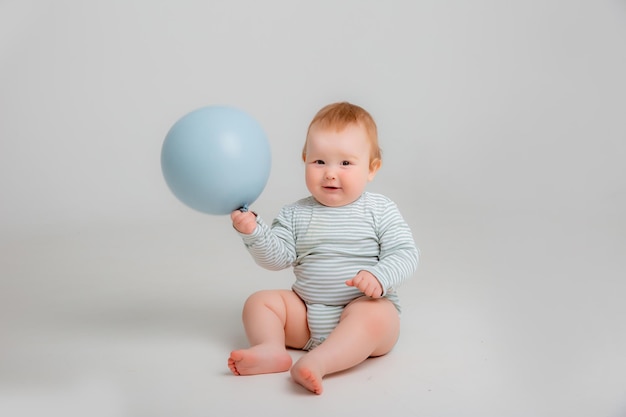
x=375, y=165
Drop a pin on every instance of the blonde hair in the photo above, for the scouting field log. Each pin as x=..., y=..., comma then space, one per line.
x=339, y=115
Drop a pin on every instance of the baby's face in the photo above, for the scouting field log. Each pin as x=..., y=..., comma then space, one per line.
x=338, y=164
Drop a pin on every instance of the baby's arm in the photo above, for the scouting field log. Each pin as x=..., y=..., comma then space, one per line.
x=273, y=247
x=398, y=256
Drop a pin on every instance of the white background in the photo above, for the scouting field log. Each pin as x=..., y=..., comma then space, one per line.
x=504, y=136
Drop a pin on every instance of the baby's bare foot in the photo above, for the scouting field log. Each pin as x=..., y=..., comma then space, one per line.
x=259, y=360
x=307, y=377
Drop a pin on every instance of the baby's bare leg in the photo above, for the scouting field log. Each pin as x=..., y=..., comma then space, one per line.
x=272, y=320
x=368, y=327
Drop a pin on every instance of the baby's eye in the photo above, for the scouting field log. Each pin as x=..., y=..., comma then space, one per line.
x=345, y=163
x=318, y=162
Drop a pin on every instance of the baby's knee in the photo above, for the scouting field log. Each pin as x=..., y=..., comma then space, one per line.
x=260, y=297
x=275, y=300
x=377, y=312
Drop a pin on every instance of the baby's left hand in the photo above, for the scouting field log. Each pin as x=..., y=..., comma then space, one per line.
x=367, y=283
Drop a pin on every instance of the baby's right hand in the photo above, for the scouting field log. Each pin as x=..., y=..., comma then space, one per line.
x=243, y=221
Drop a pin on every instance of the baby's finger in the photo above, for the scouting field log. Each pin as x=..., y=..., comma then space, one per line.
x=235, y=215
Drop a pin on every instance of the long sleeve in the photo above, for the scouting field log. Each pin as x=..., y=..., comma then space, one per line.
x=273, y=247
x=399, y=256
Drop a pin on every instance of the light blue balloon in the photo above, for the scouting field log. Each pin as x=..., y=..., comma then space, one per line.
x=216, y=159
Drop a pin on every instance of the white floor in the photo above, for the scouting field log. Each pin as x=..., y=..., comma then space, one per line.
x=508, y=316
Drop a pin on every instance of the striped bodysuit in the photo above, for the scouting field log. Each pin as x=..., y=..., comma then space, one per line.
x=328, y=245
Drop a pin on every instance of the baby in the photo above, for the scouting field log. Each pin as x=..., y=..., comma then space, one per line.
x=349, y=249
